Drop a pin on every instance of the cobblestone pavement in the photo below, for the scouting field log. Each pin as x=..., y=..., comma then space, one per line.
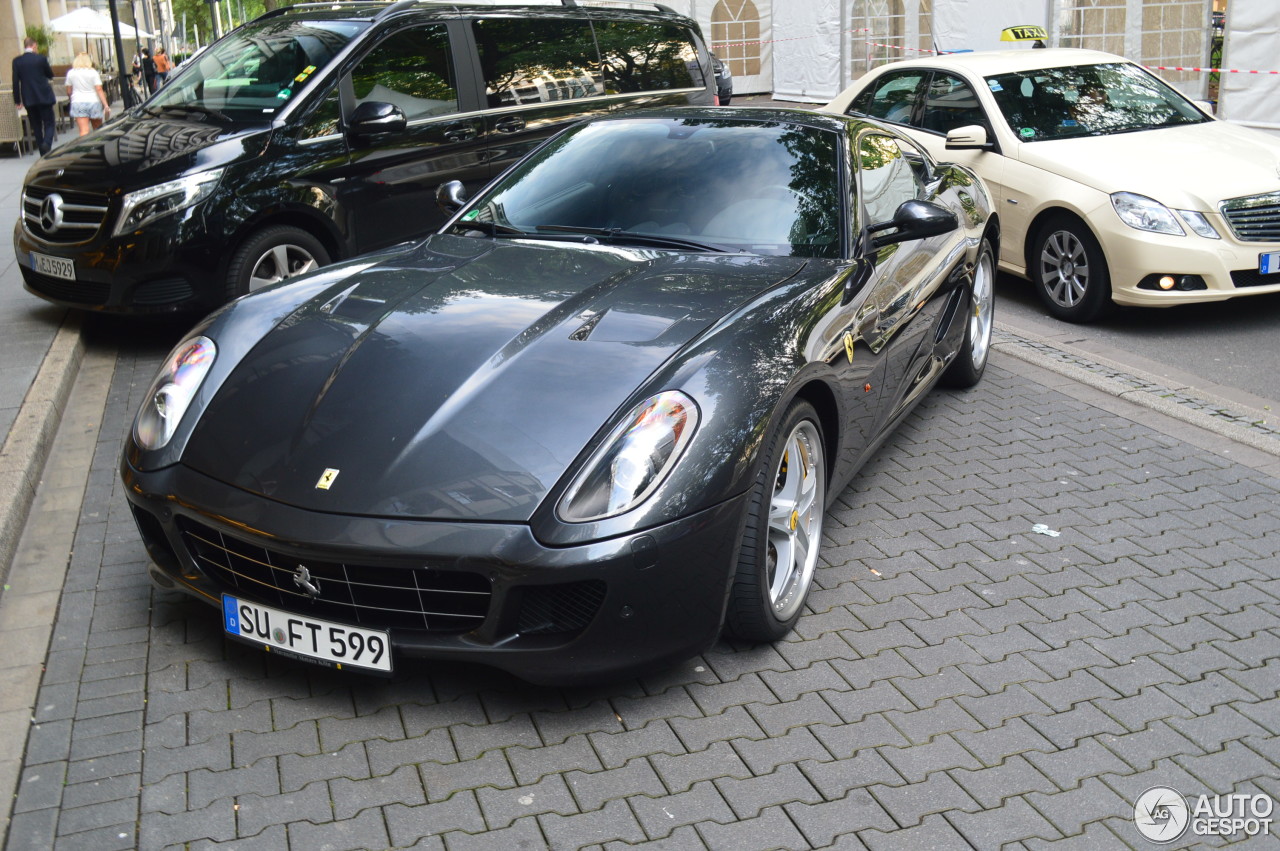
x=958, y=681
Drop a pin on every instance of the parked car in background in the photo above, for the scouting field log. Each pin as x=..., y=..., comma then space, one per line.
x=594, y=421
x=1112, y=186
x=724, y=80
x=320, y=131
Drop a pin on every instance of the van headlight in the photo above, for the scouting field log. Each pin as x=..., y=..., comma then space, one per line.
x=171, y=392
x=634, y=459
x=146, y=205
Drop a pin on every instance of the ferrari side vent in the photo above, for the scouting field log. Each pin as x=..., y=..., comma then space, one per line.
x=559, y=609
x=411, y=597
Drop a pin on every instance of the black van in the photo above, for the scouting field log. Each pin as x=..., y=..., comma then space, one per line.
x=322, y=131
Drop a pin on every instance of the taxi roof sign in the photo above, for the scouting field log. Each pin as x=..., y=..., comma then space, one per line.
x=1028, y=32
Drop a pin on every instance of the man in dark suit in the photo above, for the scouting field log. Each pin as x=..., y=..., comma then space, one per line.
x=31, y=88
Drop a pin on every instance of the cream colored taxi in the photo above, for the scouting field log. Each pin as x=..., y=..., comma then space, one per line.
x=1110, y=185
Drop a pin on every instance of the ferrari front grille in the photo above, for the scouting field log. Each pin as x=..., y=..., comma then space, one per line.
x=416, y=598
x=1255, y=218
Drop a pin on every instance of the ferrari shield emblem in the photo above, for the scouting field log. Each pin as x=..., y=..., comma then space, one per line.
x=326, y=479
x=848, y=345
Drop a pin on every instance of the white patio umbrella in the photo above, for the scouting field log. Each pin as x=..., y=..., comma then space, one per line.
x=88, y=22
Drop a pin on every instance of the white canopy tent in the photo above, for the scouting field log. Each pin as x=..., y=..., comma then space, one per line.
x=92, y=23
x=1253, y=32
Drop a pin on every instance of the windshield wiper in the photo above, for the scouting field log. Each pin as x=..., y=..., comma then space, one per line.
x=630, y=236
x=491, y=228
x=190, y=107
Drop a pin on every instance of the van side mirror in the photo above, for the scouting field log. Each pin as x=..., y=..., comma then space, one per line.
x=451, y=196
x=969, y=137
x=914, y=220
x=373, y=117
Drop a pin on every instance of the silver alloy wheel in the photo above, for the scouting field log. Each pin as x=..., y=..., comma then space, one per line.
x=983, y=317
x=280, y=262
x=1064, y=268
x=795, y=520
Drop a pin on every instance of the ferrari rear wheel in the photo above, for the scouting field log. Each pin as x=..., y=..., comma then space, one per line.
x=971, y=361
x=1069, y=270
x=783, y=531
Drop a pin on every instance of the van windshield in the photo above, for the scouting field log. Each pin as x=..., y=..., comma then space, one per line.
x=257, y=69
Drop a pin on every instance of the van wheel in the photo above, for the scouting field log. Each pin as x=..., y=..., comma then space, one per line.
x=271, y=255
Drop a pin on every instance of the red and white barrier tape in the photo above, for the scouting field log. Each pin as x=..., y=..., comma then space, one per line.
x=1207, y=70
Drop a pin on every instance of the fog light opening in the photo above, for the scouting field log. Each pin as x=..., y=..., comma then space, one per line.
x=1165, y=282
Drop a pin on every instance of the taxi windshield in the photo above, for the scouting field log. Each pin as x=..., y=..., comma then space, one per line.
x=257, y=69
x=1088, y=100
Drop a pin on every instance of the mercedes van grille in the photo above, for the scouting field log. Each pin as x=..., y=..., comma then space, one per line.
x=1254, y=219
x=65, y=217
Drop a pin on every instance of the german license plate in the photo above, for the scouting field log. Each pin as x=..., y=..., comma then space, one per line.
x=333, y=645
x=1269, y=264
x=54, y=267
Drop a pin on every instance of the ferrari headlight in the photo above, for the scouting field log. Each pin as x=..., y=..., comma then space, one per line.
x=633, y=460
x=1143, y=213
x=147, y=205
x=171, y=392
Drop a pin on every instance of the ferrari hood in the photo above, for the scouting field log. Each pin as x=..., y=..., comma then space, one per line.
x=1190, y=168
x=462, y=378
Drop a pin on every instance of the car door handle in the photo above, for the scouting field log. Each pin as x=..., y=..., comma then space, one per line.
x=460, y=133
x=509, y=125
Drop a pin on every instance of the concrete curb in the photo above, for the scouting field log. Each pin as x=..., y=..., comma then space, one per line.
x=27, y=446
x=1191, y=406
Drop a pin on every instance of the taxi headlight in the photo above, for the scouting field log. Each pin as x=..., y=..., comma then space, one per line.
x=1143, y=213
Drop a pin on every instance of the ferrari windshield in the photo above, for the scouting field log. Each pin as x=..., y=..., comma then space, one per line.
x=257, y=69
x=1088, y=100
x=763, y=187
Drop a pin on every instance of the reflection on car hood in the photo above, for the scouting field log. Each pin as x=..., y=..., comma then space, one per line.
x=139, y=150
x=1192, y=167
x=459, y=380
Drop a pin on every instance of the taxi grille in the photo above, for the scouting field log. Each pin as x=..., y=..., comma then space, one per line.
x=1254, y=219
x=382, y=597
x=81, y=215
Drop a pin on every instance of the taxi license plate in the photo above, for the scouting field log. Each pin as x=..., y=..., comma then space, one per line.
x=333, y=645
x=54, y=267
x=1269, y=264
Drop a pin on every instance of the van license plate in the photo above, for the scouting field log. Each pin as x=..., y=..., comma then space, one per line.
x=1269, y=264
x=333, y=645
x=54, y=267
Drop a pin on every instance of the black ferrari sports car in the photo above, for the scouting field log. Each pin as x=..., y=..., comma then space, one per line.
x=587, y=427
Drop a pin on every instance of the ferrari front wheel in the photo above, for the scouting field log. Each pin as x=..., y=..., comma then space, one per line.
x=783, y=532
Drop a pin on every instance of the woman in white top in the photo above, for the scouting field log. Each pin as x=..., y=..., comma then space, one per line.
x=88, y=102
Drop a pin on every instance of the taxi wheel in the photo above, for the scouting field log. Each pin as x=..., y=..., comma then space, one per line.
x=971, y=361
x=783, y=533
x=1069, y=271
x=272, y=255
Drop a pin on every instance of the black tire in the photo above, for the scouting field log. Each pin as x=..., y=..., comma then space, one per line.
x=1069, y=271
x=971, y=361
x=783, y=530
x=271, y=255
